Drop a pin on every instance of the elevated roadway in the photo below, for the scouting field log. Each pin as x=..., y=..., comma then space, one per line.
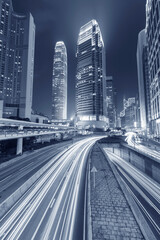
x=14, y=129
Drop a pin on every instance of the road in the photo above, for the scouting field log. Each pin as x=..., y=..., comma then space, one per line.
x=144, y=190
x=16, y=173
x=130, y=139
x=53, y=208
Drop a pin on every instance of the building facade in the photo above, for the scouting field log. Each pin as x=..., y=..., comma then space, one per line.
x=17, y=42
x=130, y=114
x=143, y=80
x=59, y=83
x=110, y=102
x=153, y=47
x=90, y=77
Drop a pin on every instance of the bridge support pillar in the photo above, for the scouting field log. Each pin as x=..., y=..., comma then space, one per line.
x=19, y=146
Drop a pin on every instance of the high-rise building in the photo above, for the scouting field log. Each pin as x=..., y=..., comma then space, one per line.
x=153, y=46
x=5, y=20
x=130, y=114
x=59, y=83
x=110, y=101
x=17, y=42
x=128, y=102
x=143, y=80
x=90, y=77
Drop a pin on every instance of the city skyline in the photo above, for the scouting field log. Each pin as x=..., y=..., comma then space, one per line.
x=114, y=32
x=91, y=172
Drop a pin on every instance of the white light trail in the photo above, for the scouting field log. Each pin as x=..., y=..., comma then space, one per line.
x=69, y=165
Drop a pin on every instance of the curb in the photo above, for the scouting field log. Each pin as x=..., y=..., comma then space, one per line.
x=89, y=219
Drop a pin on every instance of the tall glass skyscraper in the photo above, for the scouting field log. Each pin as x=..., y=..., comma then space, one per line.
x=90, y=77
x=17, y=42
x=153, y=40
x=143, y=79
x=59, y=83
x=110, y=101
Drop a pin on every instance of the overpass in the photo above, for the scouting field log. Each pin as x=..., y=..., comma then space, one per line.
x=14, y=129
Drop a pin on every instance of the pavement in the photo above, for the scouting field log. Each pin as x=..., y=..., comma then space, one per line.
x=151, y=143
x=111, y=215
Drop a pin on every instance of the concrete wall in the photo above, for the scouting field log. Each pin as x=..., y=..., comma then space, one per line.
x=146, y=164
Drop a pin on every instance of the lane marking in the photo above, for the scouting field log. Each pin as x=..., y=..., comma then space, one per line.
x=5, y=178
x=27, y=166
x=52, y=202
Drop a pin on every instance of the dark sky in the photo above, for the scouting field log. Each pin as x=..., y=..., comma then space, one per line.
x=60, y=20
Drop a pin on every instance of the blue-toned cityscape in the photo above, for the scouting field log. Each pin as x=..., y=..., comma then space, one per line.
x=79, y=120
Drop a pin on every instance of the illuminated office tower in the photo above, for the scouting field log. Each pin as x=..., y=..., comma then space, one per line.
x=17, y=41
x=153, y=47
x=5, y=19
x=130, y=114
x=143, y=79
x=59, y=83
x=90, y=77
x=110, y=101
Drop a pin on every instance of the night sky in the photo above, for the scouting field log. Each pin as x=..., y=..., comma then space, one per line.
x=60, y=20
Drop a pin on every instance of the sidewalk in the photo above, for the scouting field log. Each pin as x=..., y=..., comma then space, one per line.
x=152, y=144
x=111, y=216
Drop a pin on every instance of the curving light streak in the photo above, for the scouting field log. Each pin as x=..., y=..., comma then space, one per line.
x=62, y=193
x=131, y=140
x=24, y=205
x=148, y=184
x=16, y=221
x=70, y=232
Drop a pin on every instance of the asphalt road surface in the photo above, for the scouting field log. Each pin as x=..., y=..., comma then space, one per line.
x=53, y=207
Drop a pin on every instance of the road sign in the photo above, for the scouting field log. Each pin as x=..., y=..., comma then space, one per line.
x=94, y=170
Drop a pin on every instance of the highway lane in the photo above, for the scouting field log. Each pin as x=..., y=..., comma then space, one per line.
x=144, y=190
x=14, y=175
x=130, y=139
x=49, y=208
x=13, y=165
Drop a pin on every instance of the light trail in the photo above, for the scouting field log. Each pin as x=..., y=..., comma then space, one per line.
x=14, y=217
x=72, y=209
x=137, y=182
x=9, y=179
x=64, y=175
x=130, y=139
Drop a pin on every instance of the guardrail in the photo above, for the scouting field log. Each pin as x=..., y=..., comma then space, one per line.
x=141, y=152
x=6, y=135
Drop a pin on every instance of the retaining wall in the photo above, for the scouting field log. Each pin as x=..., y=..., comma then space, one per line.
x=147, y=164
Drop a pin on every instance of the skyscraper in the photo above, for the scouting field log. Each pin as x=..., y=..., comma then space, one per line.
x=129, y=115
x=5, y=19
x=111, y=114
x=153, y=39
x=17, y=41
x=90, y=77
x=143, y=79
x=59, y=83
